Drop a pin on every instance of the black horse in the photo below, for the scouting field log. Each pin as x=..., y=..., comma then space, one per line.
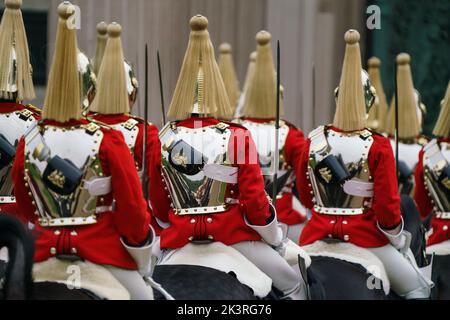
x=441, y=278
x=189, y=282
x=16, y=282
x=335, y=279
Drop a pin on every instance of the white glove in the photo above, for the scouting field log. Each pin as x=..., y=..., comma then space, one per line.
x=272, y=232
x=398, y=237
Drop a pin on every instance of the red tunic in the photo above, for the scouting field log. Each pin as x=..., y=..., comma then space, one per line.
x=440, y=227
x=99, y=242
x=360, y=230
x=153, y=144
x=292, y=149
x=8, y=107
x=227, y=227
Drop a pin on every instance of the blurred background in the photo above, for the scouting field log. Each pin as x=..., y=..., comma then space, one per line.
x=310, y=32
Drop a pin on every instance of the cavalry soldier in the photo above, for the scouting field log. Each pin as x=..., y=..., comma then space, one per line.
x=76, y=181
x=114, y=109
x=378, y=113
x=258, y=117
x=207, y=183
x=410, y=111
x=248, y=77
x=432, y=193
x=228, y=72
x=345, y=178
x=16, y=85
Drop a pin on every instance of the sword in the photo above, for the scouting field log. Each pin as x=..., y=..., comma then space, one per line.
x=144, y=147
x=277, y=130
x=396, y=121
x=161, y=91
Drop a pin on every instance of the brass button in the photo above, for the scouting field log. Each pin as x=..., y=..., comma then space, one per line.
x=210, y=237
x=57, y=233
x=73, y=233
x=53, y=250
x=191, y=238
x=445, y=228
x=346, y=237
x=73, y=250
x=209, y=220
x=344, y=222
x=192, y=220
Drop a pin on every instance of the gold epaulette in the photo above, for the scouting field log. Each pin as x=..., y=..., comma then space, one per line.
x=139, y=119
x=33, y=108
x=422, y=140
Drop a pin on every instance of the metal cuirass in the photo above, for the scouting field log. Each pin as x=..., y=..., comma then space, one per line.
x=80, y=146
x=263, y=135
x=13, y=126
x=408, y=152
x=351, y=151
x=130, y=131
x=435, y=159
x=196, y=167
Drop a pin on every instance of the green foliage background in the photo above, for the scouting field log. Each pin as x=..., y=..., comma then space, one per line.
x=422, y=29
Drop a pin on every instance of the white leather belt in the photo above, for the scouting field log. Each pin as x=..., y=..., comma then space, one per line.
x=358, y=188
x=443, y=215
x=339, y=211
x=220, y=172
x=7, y=199
x=98, y=186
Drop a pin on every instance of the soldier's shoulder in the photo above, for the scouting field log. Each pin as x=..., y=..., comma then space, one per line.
x=33, y=109
x=234, y=125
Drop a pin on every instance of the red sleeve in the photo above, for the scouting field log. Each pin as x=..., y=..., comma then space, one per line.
x=421, y=197
x=23, y=200
x=158, y=193
x=303, y=183
x=386, y=200
x=252, y=196
x=295, y=142
x=130, y=216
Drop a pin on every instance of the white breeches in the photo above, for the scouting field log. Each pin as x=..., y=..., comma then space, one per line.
x=133, y=282
x=274, y=266
x=404, y=278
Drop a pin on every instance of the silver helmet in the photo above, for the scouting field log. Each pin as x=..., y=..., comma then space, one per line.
x=88, y=80
x=11, y=86
x=421, y=108
x=369, y=90
x=132, y=83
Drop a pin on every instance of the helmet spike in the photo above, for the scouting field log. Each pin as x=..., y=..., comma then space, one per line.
x=62, y=99
x=350, y=106
x=199, y=57
x=15, y=69
x=112, y=94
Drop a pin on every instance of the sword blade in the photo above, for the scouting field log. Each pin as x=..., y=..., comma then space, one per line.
x=277, y=129
x=161, y=89
x=144, y=147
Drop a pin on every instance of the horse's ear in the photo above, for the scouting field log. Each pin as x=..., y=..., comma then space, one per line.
x=304, y=274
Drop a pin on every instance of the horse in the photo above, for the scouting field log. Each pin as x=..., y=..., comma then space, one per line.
x=211, y=271
x=190, y=282
x=16, y=281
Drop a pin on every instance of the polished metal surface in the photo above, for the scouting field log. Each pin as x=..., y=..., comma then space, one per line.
x=81, y=146
x=353, y=148
x=88, y=80
x=13, y=126
x=191, y=190
x=436, y=158
x=263, y=134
